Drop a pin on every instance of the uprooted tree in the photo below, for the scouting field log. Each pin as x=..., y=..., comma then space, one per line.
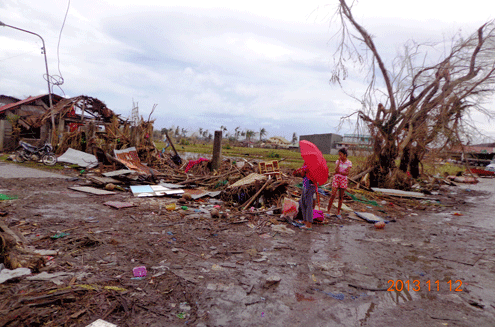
x=416, y=105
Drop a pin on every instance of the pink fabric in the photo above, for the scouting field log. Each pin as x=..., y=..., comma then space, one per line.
x=343, y=166
x=339, y=180
x=318, y=215
x=191, y=163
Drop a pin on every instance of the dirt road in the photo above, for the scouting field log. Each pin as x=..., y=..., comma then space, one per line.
x=242, y=271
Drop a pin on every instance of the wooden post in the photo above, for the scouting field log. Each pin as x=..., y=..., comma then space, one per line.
x=171, y=144
x=217, y=151
x=2, y=134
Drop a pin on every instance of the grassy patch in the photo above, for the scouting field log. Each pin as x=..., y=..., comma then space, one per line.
x=290, y=159
x=4, y=157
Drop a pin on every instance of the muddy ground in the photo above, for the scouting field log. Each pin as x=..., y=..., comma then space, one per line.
x=242, y=271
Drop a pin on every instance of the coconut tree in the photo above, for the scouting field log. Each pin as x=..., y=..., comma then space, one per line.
x=224, y=130
x=237, y=132
x=262, y=132
x=249, y=134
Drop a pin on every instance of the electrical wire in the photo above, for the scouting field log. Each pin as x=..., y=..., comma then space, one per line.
x=57, y=80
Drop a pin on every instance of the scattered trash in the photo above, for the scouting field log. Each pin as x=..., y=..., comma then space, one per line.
x=216, y=267
x=272, y=280
x=101, y=323
x=59, y=235
x=139, y=271
x=399, y=193
x=6, y=197
x=153, y=190
x=6, y=274
x=380, y=225
x=318, y=215
x=338, y=296
x=82, y=159
x=119, y=204
x=91, y=190
x=369, y=217
x=282, y=229
x=56, y=278
x=191, y=163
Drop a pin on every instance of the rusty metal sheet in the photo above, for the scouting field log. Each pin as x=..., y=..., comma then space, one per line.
x=119, y=204
x=129, y=158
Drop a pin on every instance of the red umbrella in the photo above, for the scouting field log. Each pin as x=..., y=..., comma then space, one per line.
x=317, y=165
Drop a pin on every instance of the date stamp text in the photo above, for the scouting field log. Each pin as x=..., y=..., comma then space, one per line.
x=430, y=286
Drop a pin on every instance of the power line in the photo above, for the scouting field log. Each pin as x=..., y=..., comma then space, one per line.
x=57, y=80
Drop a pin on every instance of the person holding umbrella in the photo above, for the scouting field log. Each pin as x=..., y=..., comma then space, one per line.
x=306, y=200
x=339, y=182
x=314, y=173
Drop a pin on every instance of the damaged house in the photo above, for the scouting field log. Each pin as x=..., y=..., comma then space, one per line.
x=19, y=120
x=82, y=123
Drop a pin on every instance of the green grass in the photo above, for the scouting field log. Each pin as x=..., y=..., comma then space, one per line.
x=290, y=159
x=32, y=164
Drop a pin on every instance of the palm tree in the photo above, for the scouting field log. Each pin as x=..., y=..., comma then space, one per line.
x=262, y=132
x=249, y=134
x=223, y=129
x=237, y=132
x=177, y=132
x=183, y=132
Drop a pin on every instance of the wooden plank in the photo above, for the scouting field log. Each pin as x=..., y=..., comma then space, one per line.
x=399, y=193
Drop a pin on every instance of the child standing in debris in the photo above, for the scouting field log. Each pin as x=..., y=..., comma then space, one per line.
x=339, y=182
x=306, y=201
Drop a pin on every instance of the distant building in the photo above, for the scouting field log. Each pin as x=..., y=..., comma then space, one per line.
x=278, y=142
x=326, y=143
x=476, y=155
x=356, y=143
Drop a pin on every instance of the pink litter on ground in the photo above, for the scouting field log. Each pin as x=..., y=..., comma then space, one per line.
x=139, y=271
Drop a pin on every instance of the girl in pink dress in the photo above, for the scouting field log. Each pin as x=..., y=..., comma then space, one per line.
x=339, y=182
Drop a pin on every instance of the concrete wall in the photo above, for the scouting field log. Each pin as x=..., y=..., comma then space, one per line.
x=324, y=142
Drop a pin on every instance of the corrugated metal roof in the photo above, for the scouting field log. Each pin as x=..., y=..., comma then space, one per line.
x=27, y=101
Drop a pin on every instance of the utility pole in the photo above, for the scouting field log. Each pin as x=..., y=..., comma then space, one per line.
x=43, y=49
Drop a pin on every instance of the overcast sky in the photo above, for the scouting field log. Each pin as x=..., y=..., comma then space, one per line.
x=253, y=64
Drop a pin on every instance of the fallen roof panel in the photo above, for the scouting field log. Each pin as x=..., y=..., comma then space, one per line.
x=82, y=159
